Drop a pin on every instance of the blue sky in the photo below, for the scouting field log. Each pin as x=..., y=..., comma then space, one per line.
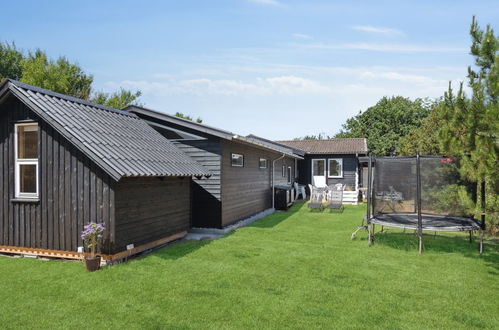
x=275, y=68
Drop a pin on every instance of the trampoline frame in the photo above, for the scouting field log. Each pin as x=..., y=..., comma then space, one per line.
x=371, y=217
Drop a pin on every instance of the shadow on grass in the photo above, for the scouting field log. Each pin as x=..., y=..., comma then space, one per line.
x=276, y=218
x=408, y=241
x=180, y=249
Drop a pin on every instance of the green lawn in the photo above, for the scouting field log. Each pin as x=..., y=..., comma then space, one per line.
x=290, y=270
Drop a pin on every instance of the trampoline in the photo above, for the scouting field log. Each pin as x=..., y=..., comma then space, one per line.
x=422, y=193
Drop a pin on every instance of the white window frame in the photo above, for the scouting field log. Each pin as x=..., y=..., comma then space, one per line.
x=259, y=163
x=340, y=161
x=232, y=157
x=283, y=174
x=290, y=174
x=27, y=161
x=312, y=171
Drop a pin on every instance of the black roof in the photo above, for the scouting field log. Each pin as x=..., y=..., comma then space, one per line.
x=193, y=127
x=276, y=145
x=118, y=141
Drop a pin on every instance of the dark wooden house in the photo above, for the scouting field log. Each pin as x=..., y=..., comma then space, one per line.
x=65, y=162
x=243, y=170
x=331, y=161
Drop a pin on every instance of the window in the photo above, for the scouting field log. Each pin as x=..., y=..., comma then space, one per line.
x=289, y=174
x=283, y=171
x=318, y=167
x=335, y=168
x=237, y=160
x=26, y=160
x=262, y=163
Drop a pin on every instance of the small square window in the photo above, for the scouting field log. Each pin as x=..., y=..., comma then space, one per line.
x=262, y=163
x=237, y=160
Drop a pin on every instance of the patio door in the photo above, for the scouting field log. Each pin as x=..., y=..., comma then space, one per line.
x=319, y=172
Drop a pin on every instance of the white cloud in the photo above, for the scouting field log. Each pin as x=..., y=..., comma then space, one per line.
x=378, y=30
x=266, y=2
x=302, y=36
x=242, y=95
x=279, y=85
x=380, y=47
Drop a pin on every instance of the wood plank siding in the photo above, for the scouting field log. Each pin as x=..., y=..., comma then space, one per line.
x=247, y=190
x=151, y=208
x=206, y=192
x=72, y=190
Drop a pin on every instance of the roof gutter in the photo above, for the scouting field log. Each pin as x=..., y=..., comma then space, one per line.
x=272, y=174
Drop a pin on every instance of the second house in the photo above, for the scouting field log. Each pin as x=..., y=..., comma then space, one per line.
x=243, y=170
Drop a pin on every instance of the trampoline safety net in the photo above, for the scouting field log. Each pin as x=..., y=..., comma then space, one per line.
x=447, y=202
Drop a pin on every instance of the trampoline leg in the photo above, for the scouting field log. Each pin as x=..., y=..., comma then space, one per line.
x=471, y=236
x=370, y=234
x=481, y=241
x=420, y=244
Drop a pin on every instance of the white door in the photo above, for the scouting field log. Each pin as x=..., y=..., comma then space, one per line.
x=319, y=172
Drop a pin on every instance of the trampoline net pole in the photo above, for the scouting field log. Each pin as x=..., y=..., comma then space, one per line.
x=418, y=201
x=369, y=188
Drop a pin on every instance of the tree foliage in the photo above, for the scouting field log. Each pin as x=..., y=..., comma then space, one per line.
x=320, y=136
x=470, y=126
x=58, y=75
x=10, y=61
x=184, y=116
x=385, y=123
x=424, y=138
x=117, y=100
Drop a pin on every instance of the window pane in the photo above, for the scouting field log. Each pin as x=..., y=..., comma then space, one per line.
x=334, y=168
x=27, y=137
x=27, y=177
x=263, y=163
x=318, y=167
x=237, y=160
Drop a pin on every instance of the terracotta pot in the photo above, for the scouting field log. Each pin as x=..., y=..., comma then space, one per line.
x=92, y=264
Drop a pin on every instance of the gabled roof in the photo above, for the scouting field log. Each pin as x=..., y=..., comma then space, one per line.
x=284, y=148
x=119, y=142
x=193, y=128
x=331, y=146
x=198, y=127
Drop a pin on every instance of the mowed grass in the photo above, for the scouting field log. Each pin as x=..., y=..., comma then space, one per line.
x=295, y=269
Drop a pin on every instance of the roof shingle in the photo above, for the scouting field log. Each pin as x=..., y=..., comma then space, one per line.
x=118, y=141
x=331, y=146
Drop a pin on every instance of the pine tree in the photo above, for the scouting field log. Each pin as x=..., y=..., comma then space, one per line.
x=471, y=124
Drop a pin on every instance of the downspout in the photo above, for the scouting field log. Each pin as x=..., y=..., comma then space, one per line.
x=273, y=187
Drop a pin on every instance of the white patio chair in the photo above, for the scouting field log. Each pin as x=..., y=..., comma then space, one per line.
x=319, y=181
x=300, y=190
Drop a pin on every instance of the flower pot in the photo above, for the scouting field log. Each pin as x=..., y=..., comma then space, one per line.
x=92, y=263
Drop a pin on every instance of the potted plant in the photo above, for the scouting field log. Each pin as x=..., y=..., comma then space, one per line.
x=91, y=236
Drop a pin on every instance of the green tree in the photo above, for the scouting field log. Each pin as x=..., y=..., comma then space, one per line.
x=320, y=136
x=183, y=116
x=117, y=100
x=59, y=75
x=470, y=128
x=471, y=125
x=10, y=61
x=424, y=138
x=385, y=123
